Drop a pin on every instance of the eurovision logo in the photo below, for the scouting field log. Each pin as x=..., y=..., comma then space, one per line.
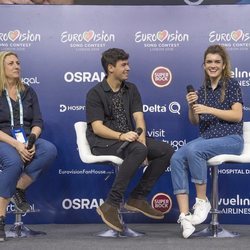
x=233, y=36
x=87, y=36
x=161, y=36
x=18, y=36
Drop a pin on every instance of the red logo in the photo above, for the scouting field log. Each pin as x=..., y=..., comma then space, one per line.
x=161, y=77
x=162, y=202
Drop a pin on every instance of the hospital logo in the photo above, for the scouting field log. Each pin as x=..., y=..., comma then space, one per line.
x=162, y=202
x=161, y=77
x=63, y=108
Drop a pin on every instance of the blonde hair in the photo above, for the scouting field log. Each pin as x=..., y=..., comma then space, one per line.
x=226, y=72
x=3, y=79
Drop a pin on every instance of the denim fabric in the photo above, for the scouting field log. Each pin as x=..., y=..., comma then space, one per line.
x=193, y=158
x=12, y=165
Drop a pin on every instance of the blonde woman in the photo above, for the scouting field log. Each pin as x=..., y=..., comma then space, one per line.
x=21, y=163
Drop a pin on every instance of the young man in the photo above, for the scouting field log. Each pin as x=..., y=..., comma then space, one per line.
x=114, y=111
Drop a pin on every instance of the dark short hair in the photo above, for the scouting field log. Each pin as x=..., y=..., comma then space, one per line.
x=111, y=56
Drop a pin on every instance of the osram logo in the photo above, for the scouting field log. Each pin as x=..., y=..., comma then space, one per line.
x=78, y=203
x=88, y=77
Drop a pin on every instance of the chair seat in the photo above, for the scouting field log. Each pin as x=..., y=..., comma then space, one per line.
x=244, y=157
x=84, y=149
x=219, y=159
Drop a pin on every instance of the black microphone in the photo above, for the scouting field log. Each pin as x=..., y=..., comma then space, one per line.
x=31, y=141
x=190, y=88
x=125, y=144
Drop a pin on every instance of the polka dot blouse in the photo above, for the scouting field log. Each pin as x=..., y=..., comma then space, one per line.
x=211, y=126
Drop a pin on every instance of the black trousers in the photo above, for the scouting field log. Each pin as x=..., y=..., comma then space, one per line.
x=158, y=154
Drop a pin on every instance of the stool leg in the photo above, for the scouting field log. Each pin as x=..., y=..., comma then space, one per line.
x=214, y=229
x=214, y=224
x=19, y=230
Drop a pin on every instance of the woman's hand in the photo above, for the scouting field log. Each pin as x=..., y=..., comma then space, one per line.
x=191, y=98
x=25, y=154
x=201, y=109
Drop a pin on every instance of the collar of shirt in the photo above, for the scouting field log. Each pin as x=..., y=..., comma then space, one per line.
x=208, y=84
x=107, y=88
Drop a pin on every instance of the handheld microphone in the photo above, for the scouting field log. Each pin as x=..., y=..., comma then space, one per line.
x=31, y=141
x=190, y=88
x=125, y=144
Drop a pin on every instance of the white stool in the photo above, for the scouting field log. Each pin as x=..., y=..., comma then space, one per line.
x=87, y=157
x=214, y=229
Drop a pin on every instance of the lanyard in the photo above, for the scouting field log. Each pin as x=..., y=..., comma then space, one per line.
x=11, y=109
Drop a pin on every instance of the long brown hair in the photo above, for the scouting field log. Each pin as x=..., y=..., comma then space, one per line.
x=3, y=79
x=226, y=72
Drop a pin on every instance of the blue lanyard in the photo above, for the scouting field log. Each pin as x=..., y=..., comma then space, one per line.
x=11, y=108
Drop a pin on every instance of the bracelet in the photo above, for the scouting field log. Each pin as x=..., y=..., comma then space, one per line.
x=119, y=138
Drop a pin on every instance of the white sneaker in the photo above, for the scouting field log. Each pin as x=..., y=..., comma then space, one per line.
x=201, y=211
x=186, y=225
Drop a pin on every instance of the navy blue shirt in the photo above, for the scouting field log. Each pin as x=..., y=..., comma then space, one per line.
x=99, y=107
x=210, y=125
x=31, y=112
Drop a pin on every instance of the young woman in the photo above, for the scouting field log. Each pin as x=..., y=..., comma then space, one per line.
x=217, y=109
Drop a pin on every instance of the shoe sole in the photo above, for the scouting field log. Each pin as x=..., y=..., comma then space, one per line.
x=99, y=211
x=134, y=209
x=17, y=208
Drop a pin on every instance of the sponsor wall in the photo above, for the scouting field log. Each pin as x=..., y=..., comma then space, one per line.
x=60, y=49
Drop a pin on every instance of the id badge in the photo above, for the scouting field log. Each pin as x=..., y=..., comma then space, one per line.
x=19, y=134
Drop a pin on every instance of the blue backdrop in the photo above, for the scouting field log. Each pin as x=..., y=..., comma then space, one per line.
x=60, y=49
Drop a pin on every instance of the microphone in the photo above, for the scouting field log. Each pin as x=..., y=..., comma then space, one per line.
x=125, y=144
x=190, y=88
x=31, y=141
